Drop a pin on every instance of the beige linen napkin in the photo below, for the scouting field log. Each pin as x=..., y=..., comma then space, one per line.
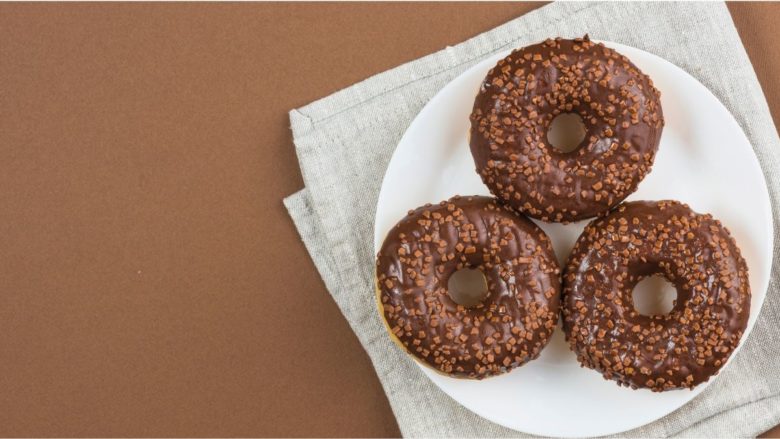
x=345, y=141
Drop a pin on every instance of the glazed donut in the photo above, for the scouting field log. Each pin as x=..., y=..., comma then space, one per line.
x=513, y=322
x=516, y=105
x=696, y=254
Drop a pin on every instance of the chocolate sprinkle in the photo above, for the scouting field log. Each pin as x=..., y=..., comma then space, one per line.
x=696, y=254
x=509, y=327
x=518, y=101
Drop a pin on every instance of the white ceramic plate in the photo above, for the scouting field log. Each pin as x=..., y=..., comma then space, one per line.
x=704, y=160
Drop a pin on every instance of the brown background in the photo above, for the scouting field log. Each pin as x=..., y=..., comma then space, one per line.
x=152, y=282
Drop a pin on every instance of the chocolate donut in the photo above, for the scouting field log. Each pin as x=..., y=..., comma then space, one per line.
x=513, y=322
x=516, y=105
x=696, y=254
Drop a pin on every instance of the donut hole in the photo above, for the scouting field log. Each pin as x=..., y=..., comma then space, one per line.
x=654, y=296
x=467, y=287
x=566, y=132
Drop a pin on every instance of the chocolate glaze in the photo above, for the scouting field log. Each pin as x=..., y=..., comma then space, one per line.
x=696, y=254
x=521, y=96
x=511, y=325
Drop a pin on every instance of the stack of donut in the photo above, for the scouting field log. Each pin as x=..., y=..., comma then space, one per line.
x=526, y=289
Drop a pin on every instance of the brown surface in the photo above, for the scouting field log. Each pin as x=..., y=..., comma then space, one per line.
x=153, y=284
